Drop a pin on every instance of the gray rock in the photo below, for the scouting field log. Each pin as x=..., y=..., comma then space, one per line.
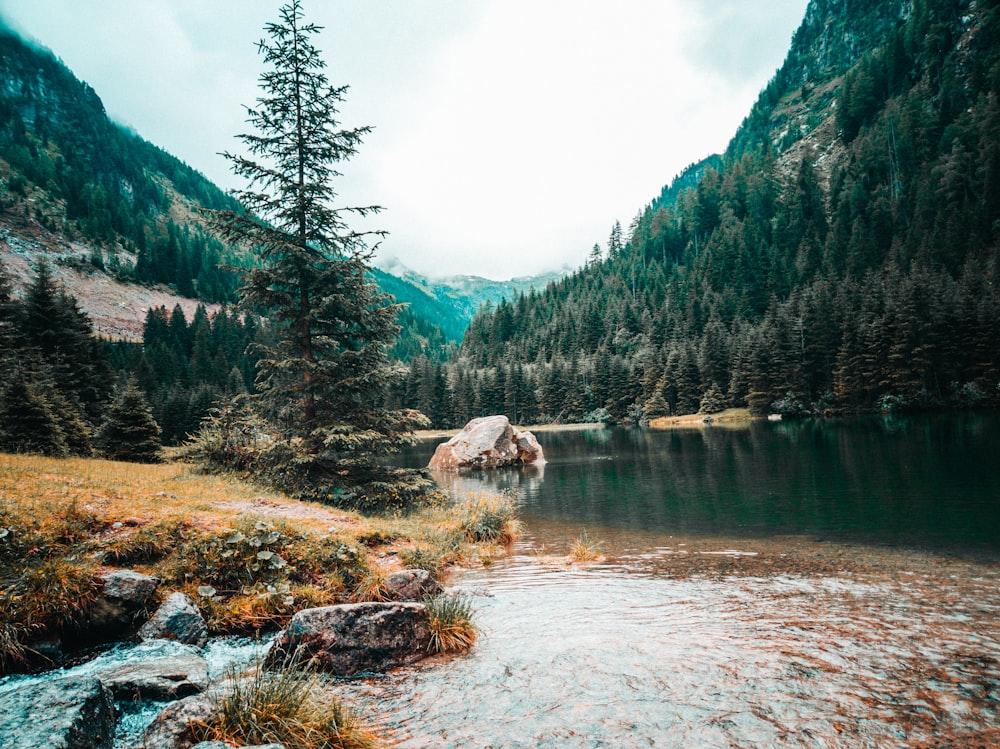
x=176, y=619
x=487, y=442
x=66, y=713
x=157, y=679
x=125, y=593
x=172, y=728
x=354, y=638
x=411, y=585
x=129, y=587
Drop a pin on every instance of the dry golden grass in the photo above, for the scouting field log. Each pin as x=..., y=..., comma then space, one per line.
x=249, y=557
x=130, y=493
x=585, y=549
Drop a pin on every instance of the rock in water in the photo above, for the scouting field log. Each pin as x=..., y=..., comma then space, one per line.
x=173, y=728
x=177, y=619
x=487, y=442
x=164, y=678
x=355, y=637
x=67, y=713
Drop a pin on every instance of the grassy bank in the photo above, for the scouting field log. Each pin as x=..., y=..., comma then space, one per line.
x=250, y=558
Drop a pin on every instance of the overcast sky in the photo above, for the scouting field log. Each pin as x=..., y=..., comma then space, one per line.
x=509, y=134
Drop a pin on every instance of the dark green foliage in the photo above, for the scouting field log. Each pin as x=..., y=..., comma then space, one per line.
x=789, y=274
x=185, y=369
x=321, y=378
x=29, y=420
x=130, y=432
x=55, y=378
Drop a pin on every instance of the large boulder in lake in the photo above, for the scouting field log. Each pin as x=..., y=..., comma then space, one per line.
x=355, y=637
x=66, y=713
x=177, y=619
x=487, y=442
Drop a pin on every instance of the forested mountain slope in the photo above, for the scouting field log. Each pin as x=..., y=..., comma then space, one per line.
x=88, y=193
x=843, y=254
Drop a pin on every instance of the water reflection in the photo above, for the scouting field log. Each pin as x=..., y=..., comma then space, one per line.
x=524, y=481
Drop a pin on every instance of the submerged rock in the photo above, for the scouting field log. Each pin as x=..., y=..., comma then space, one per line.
x=487, y=442
x=66, y=713
x=411, y=585
x=177, y=619
x=355, y=638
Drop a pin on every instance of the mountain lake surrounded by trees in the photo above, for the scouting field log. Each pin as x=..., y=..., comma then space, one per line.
x=769, y=510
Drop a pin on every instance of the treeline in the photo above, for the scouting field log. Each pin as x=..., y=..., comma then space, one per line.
x=782, y=281
x=74, y=172
x=54, y=379
x=59, y=383
x=187, y=368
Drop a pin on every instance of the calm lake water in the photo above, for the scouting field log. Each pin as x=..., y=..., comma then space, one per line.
x=808, y=584
x=928, y=482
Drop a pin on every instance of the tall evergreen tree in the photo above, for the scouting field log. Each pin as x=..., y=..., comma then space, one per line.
x=325, y=374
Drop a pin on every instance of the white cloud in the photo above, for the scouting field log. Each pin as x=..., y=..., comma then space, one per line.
x=509, y=134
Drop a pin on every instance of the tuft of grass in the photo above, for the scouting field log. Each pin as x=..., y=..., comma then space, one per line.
x=490, y=518
x=423, y=557
x=371, y=586
x=287, y=706
x=585, y=549
x=451, y=624
x=14, y=654
x=149, y=543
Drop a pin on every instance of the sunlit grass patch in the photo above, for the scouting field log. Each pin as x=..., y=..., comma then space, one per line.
x=287, y=706
x=585, y=549
x=489, y=517
x=451, y=624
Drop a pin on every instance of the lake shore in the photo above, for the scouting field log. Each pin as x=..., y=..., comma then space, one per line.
x=731, y=417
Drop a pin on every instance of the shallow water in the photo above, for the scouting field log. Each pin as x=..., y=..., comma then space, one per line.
x=824, y=585
x=624, y=654
x=829, y=584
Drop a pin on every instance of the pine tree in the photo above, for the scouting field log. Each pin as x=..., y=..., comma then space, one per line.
x=326, y=372
x=28, y=420
x=130, y=432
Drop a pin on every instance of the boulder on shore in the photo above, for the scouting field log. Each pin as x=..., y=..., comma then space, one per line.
x=355, y=637
x=66, y=713
x=174, y=727
x=176, y=619
x=124, y=595
x=411, y=585
x=487, y=442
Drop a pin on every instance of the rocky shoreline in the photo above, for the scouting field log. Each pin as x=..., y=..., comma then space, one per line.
x=82, y=713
